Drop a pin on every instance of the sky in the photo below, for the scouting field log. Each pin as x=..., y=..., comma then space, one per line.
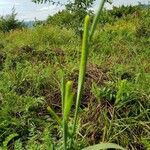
x=28, y=10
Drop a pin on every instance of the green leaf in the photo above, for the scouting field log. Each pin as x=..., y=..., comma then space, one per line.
x=1, y=148
x=68, y=99
x=122, y=88
x=63, y=92
x=8, y=139
x=18, y=145
x=54, y=115
x=96, y=19
x=103, y=146
x=82, y=68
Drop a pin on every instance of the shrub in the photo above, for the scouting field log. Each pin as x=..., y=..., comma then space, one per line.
x=9, y=22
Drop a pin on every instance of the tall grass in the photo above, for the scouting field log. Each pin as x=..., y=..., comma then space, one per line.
x=116, y=93
x=68, y=95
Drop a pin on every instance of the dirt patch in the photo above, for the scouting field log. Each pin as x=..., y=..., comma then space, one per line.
x=26, y=49
x=95, y=74
x=52, y=93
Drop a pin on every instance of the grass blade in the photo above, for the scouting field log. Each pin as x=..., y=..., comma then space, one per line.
x=54, y=115
x=68, y=100
x=8, y=139
x=96, y=18
x=63, y=92
x=103, y=146
x=82, y=68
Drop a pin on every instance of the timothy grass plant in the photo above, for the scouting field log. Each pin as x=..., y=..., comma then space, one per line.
x=68, y=95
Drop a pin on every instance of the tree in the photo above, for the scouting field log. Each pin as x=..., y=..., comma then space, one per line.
x=77, y=8
x=62, y=18
x=76, y=5
x=9, y=22
x=80, y=8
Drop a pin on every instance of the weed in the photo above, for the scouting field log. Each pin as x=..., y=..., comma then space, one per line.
x=67, y=95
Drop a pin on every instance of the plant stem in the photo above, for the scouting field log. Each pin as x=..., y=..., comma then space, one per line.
x=111, y=122
x=95, y=21
x=54, y=115
x=87, y=36
x=82, y=69
x=63, y=92
x=63, y=105
x=68, y=101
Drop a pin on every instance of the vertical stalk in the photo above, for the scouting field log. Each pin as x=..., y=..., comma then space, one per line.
x=82, y=69
x=65, y=134
x=63, y=105
x=62, y=92
x=95, y=21
x=87, y=36
x=68, y=101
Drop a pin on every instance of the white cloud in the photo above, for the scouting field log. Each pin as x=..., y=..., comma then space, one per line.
x=17, y=4
x=5, y=3
x=2, y=3
x=46, y=8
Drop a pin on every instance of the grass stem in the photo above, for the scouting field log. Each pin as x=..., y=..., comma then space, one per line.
x=82, y=69
x=96, y=18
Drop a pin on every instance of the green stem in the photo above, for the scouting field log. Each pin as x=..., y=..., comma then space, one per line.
x=63, y=92
x=111, y=123
x=96, y=18
x=87, y=36
x=54, y=115
x=82, y=69
x=68, y=101
x=63, y=105
x=65, y=134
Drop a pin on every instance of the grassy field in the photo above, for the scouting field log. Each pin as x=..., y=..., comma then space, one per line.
x=115, y=106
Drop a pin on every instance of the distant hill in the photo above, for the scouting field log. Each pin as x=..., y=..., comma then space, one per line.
x=29, y=23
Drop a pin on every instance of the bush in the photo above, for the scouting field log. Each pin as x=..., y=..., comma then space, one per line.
x=68, y=19
x=9, y=22
x=63, y=18
x=143, y=29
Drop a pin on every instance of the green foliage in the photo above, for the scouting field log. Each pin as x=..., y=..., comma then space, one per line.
x=67, y=95
x=109, y=16
x=7, y=140
x=45, y=1
x=103, y=146
x=80, y=8
x=38, y=23
x=9, y=22
x=82, y=69
x=122, y=91
x=18, y=145
x=54, y=115
x=31, y=64
x=74, y=14
x=115, y=93
x=143, y=27
x=63, y=19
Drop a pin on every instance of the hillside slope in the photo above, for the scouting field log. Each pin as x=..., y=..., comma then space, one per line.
x=116, y=102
